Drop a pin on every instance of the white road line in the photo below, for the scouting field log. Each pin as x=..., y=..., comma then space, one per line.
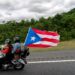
x=53, y=61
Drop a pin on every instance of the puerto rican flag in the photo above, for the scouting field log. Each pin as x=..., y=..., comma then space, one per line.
x=39, y=38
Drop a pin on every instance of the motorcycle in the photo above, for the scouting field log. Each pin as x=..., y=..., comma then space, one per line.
x=17, y=64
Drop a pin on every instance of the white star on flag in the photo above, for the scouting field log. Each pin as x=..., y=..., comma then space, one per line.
x=33, y=38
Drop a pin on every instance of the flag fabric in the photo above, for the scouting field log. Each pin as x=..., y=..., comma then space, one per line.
x=39, y=38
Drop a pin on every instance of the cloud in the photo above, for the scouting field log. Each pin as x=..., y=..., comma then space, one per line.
x=22, y=9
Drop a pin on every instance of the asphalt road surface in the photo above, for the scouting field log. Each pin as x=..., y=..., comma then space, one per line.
x=59, y=63
x=52, y=55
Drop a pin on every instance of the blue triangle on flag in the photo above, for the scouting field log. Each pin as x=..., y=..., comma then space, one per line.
x=31, y=38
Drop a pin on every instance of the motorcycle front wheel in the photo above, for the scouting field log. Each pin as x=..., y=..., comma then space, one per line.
x=19, y=66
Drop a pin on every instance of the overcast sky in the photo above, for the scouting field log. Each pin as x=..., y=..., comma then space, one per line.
x=27, y=9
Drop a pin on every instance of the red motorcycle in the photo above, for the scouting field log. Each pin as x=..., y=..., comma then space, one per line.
x=8, y=63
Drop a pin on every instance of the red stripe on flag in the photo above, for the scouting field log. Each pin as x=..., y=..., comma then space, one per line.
x=50, y=40
x=45, y=32
x=39, y=45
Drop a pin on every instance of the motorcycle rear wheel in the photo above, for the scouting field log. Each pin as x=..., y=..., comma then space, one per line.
x=5, y=67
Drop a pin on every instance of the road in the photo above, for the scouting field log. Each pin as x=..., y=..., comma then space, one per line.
x=56, y=67
x=52, y=55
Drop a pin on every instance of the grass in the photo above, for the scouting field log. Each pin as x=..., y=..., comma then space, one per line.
x=65, y=45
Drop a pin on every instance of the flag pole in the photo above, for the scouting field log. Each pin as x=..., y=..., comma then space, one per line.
x=27, y=35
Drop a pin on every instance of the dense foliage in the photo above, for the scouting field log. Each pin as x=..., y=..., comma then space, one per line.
x=63, y=23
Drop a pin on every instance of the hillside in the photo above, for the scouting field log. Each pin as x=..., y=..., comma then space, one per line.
x=63, y=23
